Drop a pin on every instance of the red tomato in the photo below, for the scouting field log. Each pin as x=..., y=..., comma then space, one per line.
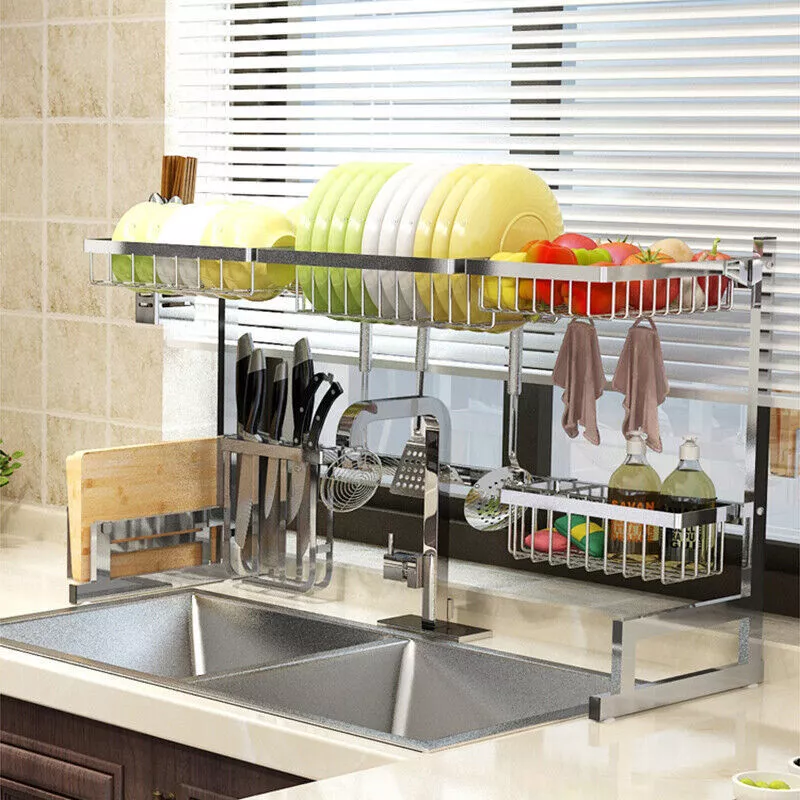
x=603, y=295
x=620, y=250
x=642, y=292
x=713, y=292
x=575, y=241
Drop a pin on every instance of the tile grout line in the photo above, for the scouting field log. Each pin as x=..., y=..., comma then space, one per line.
x=109, y=205
x=44, y=262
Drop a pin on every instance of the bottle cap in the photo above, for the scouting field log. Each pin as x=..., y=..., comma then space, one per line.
x=690, y=451
x=637, y=443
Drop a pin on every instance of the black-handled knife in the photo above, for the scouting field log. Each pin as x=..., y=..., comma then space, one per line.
x=244, y=348
x=323, y=409
x=254, y=390
x=308, y=405
x=280, y=391
x=302, y=375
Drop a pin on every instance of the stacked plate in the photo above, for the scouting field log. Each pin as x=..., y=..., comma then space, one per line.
x=426, y=211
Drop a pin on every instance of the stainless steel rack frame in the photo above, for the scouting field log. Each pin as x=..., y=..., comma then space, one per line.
x=482, y=293
x=473, y=294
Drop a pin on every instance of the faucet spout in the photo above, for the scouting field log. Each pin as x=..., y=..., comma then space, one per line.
x=352, y=430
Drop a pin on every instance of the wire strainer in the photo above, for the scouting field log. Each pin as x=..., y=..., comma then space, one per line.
x=350, y=479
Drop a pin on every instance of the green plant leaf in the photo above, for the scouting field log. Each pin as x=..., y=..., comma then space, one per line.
x=3, y=480
x=16, y=465
x=17, y=454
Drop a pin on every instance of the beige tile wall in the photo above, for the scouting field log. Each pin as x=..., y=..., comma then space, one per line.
x=81, y=138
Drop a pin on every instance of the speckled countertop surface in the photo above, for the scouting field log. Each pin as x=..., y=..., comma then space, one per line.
x=689, y=750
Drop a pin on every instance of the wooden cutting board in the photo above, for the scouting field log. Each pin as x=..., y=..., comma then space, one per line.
x=138, y=481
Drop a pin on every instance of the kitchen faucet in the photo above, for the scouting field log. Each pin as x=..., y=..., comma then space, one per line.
x=426, y=570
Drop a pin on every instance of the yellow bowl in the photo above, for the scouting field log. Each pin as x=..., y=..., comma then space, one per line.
x=249, y=225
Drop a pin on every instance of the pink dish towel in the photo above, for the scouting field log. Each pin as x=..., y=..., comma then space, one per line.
x=579, y=372
x=641, y=377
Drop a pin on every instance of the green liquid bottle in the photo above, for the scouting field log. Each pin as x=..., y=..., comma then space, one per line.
x=688, y=488
x=635, y=484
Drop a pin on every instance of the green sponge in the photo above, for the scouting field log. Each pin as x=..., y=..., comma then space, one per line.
x=577, y=533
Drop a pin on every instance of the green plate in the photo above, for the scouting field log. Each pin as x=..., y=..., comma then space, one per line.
x=354, y=233
x=337, y=231
x=305, y=227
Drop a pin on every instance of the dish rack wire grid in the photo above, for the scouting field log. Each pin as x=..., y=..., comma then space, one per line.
x=535, y=505
x=473, y=294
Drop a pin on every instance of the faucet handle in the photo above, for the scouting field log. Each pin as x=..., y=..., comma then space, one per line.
x=391, y=544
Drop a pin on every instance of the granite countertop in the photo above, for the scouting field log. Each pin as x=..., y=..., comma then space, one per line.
x=688, y=750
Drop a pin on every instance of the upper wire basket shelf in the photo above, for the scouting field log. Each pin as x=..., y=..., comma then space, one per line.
x=634, y=542
x=456, y=293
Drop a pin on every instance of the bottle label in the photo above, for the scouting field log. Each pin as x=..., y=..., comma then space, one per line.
x=690, y=545
x=619, y=532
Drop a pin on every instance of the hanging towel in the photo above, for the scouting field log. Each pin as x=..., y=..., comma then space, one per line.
x=579, y=372
x=641, y=377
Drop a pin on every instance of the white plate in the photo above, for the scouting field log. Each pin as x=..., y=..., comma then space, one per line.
x=406, y=232
x=185, y=226
x=372, y=233
x=393, y=298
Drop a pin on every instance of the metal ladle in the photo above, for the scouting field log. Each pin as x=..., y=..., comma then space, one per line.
x=482, y=507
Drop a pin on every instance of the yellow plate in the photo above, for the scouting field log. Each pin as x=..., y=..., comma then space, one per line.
x=424, y=236
x=440, y=245
x=507, y=207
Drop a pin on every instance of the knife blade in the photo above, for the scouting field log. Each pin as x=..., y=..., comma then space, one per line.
x=275, y=542
x=302, y=375
x=248, y=472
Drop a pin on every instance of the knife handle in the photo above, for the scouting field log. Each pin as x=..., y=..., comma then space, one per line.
x=331, y=396
x=307, y=405
x=244, y=348
x=254, y=390
x=280, y=390
x=302, y=375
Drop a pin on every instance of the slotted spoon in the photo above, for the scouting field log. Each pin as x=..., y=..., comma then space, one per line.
x=482, y=507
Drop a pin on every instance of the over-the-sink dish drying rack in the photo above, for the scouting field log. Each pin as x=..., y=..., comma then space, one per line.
x=500, y=292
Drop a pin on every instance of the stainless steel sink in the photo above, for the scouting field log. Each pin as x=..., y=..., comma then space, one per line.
x=357, y=678
x=182, y=635
x=421, y=694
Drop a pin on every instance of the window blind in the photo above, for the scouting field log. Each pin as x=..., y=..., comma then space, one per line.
x=649, y=118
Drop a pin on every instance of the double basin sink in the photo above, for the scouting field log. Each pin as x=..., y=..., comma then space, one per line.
x=360, y=679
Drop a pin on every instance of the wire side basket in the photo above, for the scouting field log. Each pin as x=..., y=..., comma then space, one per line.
x=644, y=543
x=454, y=293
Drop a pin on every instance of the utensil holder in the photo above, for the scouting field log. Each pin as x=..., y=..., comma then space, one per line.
x=269, y=562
